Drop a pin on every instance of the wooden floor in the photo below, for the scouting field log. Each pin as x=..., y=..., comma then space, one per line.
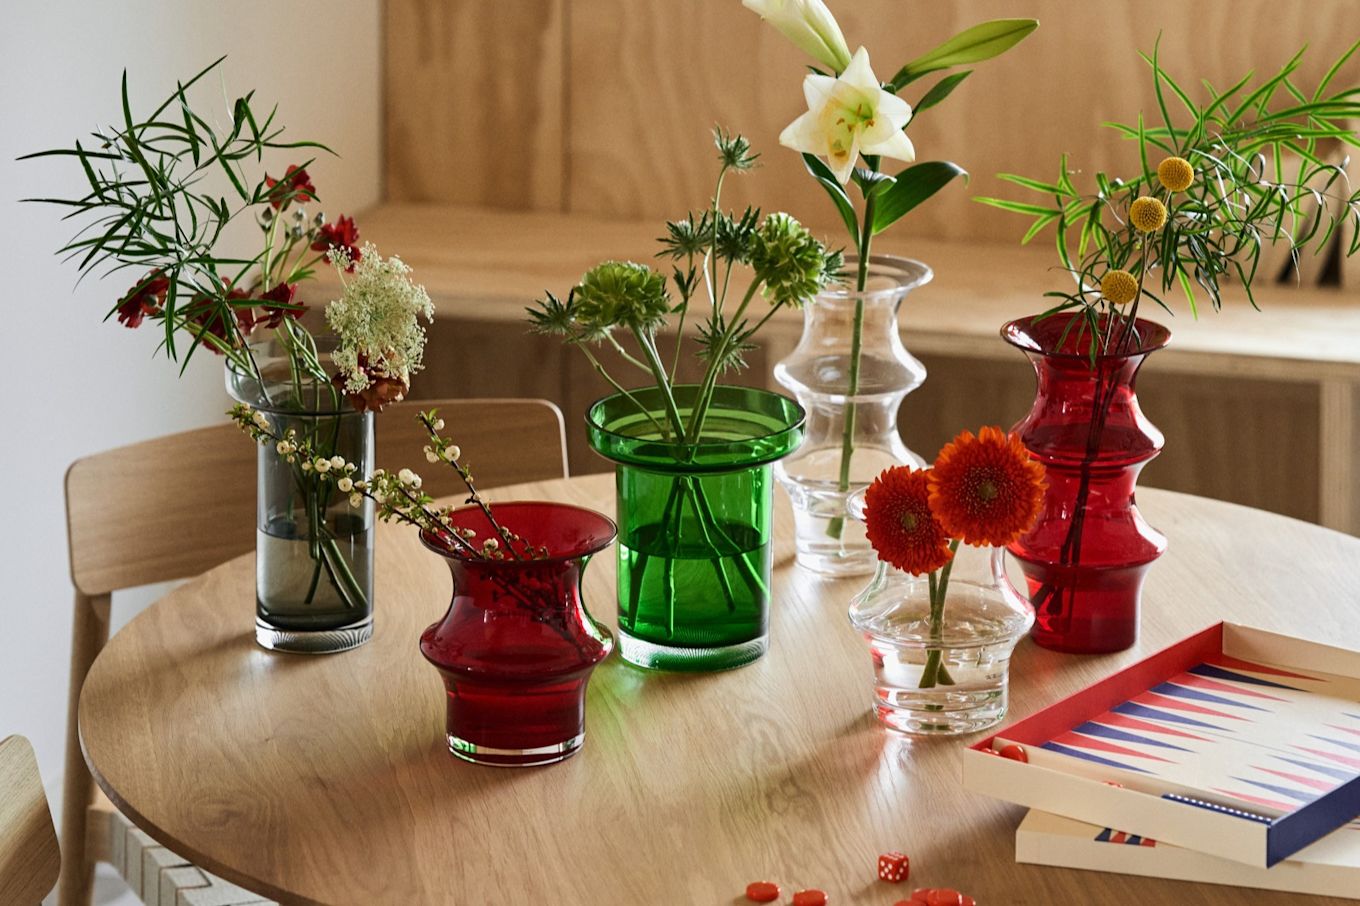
x=1259, y=407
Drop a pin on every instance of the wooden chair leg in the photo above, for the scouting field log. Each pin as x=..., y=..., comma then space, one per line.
x=89, y=633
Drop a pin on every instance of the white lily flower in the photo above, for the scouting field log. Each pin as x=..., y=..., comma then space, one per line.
x=809, y=25
x=849, y=116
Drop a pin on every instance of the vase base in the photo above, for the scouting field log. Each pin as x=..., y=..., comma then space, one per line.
x=930, y=712
x=313, y=641
x=838, y=564
x=652, y=656
x=515, y=758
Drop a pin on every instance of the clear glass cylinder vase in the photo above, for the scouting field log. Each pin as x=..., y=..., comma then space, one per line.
x=695, y=523
x=945, y=670
x=313, y=549
x=851, y=432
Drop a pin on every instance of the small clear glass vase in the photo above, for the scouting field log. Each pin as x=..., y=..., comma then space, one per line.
x=945, y=673
x=313, y=550
x=850, y=436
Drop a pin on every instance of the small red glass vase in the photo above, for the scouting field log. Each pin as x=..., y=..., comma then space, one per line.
x=517, y=646
x=1086, y=557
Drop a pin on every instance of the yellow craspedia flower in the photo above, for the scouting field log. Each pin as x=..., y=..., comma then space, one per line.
x=1147, y=214
x=1119, y=287
x=1176, y=174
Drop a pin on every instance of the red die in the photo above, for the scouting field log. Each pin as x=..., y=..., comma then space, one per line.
x=893, y=867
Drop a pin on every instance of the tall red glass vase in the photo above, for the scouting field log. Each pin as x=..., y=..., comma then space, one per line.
x=1086, y=557
x=517, y=646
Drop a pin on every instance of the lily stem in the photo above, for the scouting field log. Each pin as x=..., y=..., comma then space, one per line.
x=836, y=527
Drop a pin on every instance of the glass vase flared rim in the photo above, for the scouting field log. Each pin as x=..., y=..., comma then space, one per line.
x=775, y=443
x=1018, y=333
x=602, y=539
x=920, y=274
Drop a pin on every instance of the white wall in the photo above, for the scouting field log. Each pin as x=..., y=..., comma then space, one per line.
x=71, y=384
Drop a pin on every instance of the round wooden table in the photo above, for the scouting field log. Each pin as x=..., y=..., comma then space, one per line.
x=326, y=779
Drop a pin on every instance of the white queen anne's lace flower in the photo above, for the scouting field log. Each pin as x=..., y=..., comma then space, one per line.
x=376, y=320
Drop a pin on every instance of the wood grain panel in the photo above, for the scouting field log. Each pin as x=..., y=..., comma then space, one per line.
x=1253, y=375
x=474, y=102
x=1246, y=441
x=342, y=790
x=183, y=524
x=647, y=80
x=29, y=856
x=504, y=441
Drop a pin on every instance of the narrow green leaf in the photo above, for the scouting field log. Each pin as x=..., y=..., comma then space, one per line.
x=1335, y=67
x=1016, y=207
x=939, y=91
x=1047, y=188
x=1142, y=150
x=1038, y=224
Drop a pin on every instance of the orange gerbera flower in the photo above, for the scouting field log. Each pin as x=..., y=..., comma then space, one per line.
x=901, y=527
x=986, y=489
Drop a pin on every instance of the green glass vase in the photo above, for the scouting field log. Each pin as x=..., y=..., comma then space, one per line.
x=695, y=523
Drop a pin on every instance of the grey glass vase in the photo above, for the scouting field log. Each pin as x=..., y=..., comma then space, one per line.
x=313, y=550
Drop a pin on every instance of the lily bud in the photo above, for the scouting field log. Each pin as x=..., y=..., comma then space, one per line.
x=809, y=25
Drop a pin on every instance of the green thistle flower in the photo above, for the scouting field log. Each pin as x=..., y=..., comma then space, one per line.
x=621, y=294
x=686, y=238
x=790, y=261
x=734, y=150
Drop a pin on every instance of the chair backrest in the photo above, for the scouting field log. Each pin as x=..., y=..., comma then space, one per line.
x=29, y=856
x=175, y=506
x=504, y=441
x=161, y=509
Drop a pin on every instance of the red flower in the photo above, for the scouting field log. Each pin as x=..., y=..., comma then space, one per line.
x=281, y=295
x=146, y=298
x=986, y=489
x=342, y=234
x=900, y=525
x=296, y=185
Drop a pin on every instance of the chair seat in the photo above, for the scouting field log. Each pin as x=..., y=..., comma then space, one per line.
x=155, y=874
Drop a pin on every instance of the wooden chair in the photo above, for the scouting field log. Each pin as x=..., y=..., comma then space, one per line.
x=173, y=507
x=29, y=857
x=504, y=442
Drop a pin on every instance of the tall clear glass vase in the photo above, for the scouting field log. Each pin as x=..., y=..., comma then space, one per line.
x=313, y=550
x=851, y=430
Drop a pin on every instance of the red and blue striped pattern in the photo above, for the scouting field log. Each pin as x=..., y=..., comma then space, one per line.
x=1258, y=734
